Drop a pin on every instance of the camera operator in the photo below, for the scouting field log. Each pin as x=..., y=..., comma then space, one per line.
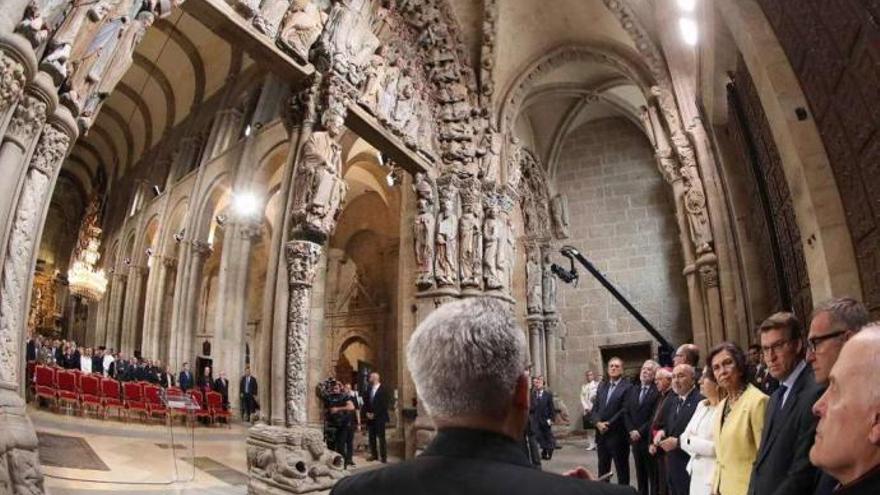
x=340, y=411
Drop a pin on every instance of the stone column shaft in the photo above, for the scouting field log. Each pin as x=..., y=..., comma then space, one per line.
x=190, y=302
x=302, y=261
x=536, y=349
x=551, y=325
x=131, y=310
x=114, y=320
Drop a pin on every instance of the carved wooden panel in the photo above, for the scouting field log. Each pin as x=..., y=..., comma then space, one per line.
x=772, y=223
x=834, y=48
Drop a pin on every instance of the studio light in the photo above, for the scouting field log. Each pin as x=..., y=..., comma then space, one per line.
x=689, y=30
x=246, y=204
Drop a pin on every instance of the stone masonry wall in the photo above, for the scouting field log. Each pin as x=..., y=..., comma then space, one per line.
x=622, y=219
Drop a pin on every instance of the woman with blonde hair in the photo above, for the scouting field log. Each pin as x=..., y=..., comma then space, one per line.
x=738, y=422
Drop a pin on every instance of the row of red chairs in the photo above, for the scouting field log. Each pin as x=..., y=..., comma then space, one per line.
x=85, y=392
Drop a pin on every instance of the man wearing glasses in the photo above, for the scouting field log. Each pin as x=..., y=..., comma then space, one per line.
x=832, y=325
x=782, y=466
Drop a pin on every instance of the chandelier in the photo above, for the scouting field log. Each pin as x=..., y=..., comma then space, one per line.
x=84, y=280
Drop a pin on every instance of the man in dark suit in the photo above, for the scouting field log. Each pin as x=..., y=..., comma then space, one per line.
x=122, y=370
x=468, y=361
x=638, y=418
x=782, y=466
x=663, y=382
x=376, y=409
x=32, y=348
x=674, y=418
x=221, y=385
x=98, y=361
x=248, y=390
x=541, y=414
x=185, y=379
x=608, y=416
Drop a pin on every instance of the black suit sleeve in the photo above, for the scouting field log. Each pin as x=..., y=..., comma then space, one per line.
x=802, y=475
x=629, y=416
x=622, y=406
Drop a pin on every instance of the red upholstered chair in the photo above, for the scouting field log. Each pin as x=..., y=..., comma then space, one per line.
x=202, y=411
x=67, y=391
x=215, y=407
x=90, y=393
x=44, y=384
x=29, y=375
x=134, y=398
x=110, y=397
x=153, y=398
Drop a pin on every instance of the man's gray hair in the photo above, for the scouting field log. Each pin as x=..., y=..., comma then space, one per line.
x=845, y=312
x=465, y=358
x=663, y=373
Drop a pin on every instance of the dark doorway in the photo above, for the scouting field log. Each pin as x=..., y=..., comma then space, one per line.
x=633, y=355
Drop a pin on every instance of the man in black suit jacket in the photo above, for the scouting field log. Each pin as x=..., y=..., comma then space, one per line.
x=32, y=347
x=639, y=415
x=248, y=389
x=376, y=411
x=185, y=378
x=468, y=361
x=541, y=412
x=221, y=385
x=676, y=414
x=608, y=416
x=782, y=466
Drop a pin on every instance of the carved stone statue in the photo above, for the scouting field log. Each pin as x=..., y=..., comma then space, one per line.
x=514, y=170
x=375, y=73
x=347, y=42
x=499, y=247
x=559, y=213
x=73, y=37
x=534, y=301
x=403, y=107
x=548, y=282
x=446, y=263
x=423, y=233
x=695, y=207
x=470, y=235
x=318, y=187
x=270, y=16
x=388, y=95
x=290, y=460
x=490, y=148
x=300, y=28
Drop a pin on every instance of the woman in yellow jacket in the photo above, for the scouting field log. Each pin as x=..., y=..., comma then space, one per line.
x=739, y=422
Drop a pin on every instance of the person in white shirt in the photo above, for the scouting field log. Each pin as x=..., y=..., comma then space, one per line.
x=85, y=360
x=698, y=439
x=108, y=360
x=588, y=396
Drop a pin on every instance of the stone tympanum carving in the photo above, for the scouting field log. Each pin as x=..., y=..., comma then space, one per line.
x=446, y=261
x=347, y=41
x=470, y=236
x=300, y=28
x=423, y=233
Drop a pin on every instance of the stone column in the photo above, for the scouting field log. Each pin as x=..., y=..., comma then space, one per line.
x=536, y=349
x=302, y=261
x=231, y=319
x=180, y=283
x=100, y=336
x=18, y=63
x=551, y=342
x=131, y=311
x=200, y=251
x=114, y=320
x=155, y=304
x=225, y=131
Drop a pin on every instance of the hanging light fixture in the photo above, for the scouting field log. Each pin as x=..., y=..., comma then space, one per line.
x=84, y=280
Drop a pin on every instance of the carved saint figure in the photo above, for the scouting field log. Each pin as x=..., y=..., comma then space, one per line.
x=375, y=73
x=319, y=187
x=695, y=207
x=559, y=212
x=388, y=95
x=548, y=283
x=270, y=16
x=446, y=264
x=533, y=281
x=423, y=232
x=348, y=42
x=493, y=233
x=514, y=169
x=403, y=108
x=470, y=234
x=300, y=28
x=490, y=147
x=73, y=36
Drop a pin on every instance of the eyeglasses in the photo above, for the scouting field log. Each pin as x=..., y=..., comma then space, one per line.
x=813, y=342
x=773, y=348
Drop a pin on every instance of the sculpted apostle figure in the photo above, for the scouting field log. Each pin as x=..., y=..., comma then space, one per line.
x=548, y=283
x=534, y=275
x=492, y=238
x=388, y=95
x=471, y=239
x=73, y=36
x=446, y=264
x=403, y=108
x=423, y=232
x=300, y=28
x=319, y=186
x=375, y=72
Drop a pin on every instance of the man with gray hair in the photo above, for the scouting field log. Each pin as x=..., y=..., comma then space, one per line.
x=468, y=361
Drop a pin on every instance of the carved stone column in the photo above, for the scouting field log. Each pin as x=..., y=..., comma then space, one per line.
x=100, y=337
x=227, y=125
x=551, y=339
x=536, y=349
x=199, y=253
x=302, y=260
x=132, y=319
x=114, y=320
x=13, y=77
x=155, y=304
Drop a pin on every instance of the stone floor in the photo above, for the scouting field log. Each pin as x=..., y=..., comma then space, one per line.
x=93, y=456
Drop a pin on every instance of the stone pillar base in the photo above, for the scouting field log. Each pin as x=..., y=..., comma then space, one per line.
x=283, y=460
x=19, y=460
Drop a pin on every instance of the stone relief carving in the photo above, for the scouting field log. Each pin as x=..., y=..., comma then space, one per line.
x=295, y=459
x=302, y=264
x=347, y=42
x=33, y=26
x=470, y=235
x=695, y=206
x=548, y=281
x=487, y=52
x=12, y=81
x=709, y=275
x=559, y=213
x=319, y=189
x=489, y=152
x=374, y=79
x=514, y=161
x=446, y=240
x=73, y=37
x=534, y=284
x=20, y=472
x=48, y=155
x=29, y=116
x=423, y=232
x=499, y=245
x=300, y=29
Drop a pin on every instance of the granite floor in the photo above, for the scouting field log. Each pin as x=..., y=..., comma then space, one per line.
x=88, y=455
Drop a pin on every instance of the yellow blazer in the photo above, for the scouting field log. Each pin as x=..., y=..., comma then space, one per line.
x=737, y=442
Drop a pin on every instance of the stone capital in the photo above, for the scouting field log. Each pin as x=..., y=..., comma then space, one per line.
x=13, y=77
x=302, y=262
x=201, y=248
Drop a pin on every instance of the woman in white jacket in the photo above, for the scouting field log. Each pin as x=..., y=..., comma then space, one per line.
x=698, y=438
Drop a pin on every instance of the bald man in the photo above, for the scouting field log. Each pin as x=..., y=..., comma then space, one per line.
x=847, y=442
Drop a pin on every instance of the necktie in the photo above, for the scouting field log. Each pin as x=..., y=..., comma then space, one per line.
x=611, y=387
x=642, y=394
x=678, y=406
x=782, y=390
